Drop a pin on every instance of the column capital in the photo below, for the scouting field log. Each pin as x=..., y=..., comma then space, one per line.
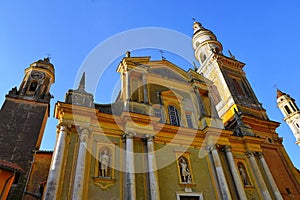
x=62, y=127
x=211, y=147
x=259, y=154
x=83, y=134
x=149, y=138
x=129, y=135
x=249, y=154
x=227, y=148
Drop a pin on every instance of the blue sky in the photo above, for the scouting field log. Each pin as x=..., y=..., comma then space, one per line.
x=262, y=34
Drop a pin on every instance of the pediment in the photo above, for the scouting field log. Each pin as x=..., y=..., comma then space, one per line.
x=168, y=70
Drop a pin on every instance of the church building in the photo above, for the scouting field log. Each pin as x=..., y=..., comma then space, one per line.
x=200, y=134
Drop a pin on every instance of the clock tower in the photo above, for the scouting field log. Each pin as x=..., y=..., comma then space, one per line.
x=23, y=118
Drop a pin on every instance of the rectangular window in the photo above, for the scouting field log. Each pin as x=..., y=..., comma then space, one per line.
x=134, y=96
x=189, y=198
x=173, y=115
x=189, y=120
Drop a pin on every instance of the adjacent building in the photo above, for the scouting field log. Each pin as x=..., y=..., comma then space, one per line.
x=291, y=113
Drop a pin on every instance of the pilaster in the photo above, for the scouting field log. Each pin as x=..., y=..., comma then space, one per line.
x=237, y=180
x=80, y=165
x=258, y=176
x=56, y=165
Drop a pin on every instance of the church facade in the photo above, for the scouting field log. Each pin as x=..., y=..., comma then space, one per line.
x=170, y=134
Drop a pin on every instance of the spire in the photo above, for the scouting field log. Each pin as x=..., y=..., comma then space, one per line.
x=279, y=93
x=80, y=96
x=82, y=82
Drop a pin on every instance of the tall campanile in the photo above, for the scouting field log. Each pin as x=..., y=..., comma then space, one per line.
x=23, y=118
x=242, y=113
x=231, y=92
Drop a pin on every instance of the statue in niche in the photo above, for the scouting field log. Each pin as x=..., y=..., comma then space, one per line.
x=184, y=170
x=243, y=174
x=104, y=160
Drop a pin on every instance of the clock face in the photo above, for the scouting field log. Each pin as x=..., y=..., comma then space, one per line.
x=37, y=75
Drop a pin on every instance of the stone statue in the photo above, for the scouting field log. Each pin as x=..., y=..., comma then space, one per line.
x=185, y=172
x=243, y=174
x=104, y=163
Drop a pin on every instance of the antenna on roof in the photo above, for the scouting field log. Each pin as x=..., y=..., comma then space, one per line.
x=161, y=53
x=231, y=55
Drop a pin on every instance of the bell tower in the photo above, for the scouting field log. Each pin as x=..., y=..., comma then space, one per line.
x=37, y=81
x=290, y=112
x=231, y=92
x=23, y=118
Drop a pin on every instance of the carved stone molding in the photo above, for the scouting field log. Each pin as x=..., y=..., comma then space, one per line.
x=104, y=182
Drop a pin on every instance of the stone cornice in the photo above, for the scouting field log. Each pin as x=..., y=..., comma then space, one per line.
x=229, y=62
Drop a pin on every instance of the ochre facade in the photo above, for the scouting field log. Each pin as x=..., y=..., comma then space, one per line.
x=170, y=134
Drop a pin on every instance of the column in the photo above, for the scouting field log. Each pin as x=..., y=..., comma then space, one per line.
x=153, y=178
x=269, y=176
x=56, y=165
x=130, y=170
x=237, y=180
x=259, y=178
x=220, y=174
x=80, y=165
x=145, y=89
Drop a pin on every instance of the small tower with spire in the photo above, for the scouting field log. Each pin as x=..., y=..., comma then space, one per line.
x=80, y=96
x=290, y=112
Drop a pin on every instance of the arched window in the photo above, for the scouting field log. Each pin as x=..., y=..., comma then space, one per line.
x=33, y=86
x=287, y=109
x=292, y=106
x=217, y=50
x=202, y=57
x=173, y=115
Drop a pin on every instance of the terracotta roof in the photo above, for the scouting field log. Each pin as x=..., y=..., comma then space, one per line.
x=279, y=93
x=11, y=166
